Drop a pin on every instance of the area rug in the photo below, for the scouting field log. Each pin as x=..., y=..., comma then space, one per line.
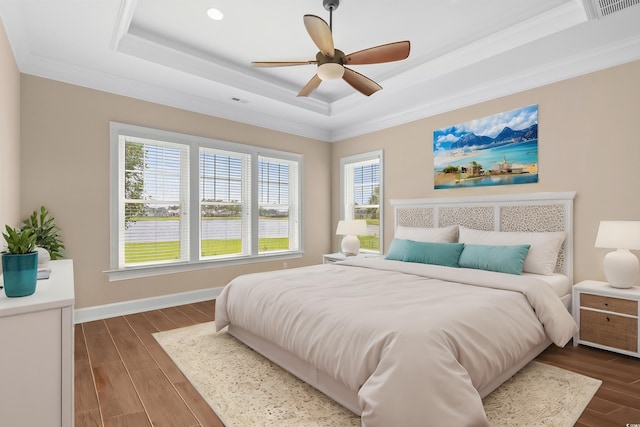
x=246, y=389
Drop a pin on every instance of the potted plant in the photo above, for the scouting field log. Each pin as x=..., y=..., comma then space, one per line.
x=46, y=232
x=19, y=263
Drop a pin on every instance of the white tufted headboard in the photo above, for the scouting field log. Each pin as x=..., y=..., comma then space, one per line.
x=539, y=212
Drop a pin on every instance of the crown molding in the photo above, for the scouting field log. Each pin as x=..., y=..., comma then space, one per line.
x=611, y=55
x=621, y=52
x=48, y=68
x=181, y=57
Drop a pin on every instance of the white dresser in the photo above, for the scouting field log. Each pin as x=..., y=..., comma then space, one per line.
x=36, y=353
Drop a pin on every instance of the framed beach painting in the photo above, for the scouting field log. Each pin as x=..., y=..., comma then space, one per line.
x=500, y=149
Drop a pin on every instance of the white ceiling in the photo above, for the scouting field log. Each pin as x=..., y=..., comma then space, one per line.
x=462, y=52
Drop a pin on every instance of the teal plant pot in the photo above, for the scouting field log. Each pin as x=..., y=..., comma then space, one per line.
x=20, y=273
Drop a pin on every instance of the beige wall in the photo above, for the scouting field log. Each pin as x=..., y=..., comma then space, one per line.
x=9, y=136
x=589, y=142
x=65, y=166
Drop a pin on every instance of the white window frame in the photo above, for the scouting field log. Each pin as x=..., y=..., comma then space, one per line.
x=195, y=261
x=360, y=158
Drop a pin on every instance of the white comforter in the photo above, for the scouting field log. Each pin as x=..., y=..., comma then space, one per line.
x=416, y=341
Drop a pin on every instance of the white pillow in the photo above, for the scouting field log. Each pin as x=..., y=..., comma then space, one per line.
x=436, y=235
x=543, y=253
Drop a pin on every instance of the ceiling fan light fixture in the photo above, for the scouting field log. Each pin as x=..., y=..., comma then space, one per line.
x=215, y=14
x=330, y=71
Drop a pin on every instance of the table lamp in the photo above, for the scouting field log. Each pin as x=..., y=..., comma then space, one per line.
x=621, y=267
x=350, y=229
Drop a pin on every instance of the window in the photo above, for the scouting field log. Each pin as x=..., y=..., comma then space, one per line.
x=278, y=210
x=225, y=203
x=362, y=195
x=181, y=201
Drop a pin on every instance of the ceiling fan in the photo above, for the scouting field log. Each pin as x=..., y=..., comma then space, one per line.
x=331, y=61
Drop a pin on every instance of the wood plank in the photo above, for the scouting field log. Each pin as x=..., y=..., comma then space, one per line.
x=162, y=402
x=88, y=418
x=193, y=313
x=132, y=351
x=603, y=406
x=116, y=393
x=177, y=317
x=595, y=419
x=203, y=412
x=139, y=419
x=101, y=348
x=95, y=327
x=118, y=326
x=206, y=307
x=621, y=394
x=159, y=320
x=84, y=388
x=80, y=347
x=165, y=363
x=142, y=327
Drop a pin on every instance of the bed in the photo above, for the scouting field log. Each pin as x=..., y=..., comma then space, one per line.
x=418, y=337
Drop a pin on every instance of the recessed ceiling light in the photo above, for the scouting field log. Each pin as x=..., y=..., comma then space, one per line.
x=215, y=14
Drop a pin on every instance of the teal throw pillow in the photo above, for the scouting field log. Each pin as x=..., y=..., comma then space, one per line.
x=503, y=259
x=446, y=254
x=397, y=250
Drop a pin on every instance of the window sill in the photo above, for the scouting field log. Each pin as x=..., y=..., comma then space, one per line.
x=158, y=270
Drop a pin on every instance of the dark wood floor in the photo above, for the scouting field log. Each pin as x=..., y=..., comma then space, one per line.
x=124, y=378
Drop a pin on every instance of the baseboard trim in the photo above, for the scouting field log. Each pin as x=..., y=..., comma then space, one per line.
x=106, y=311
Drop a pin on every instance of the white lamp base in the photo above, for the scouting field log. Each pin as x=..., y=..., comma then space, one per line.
x=350, y=245
x=621, y=268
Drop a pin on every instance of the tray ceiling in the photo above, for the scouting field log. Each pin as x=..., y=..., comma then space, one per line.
x=462, y=52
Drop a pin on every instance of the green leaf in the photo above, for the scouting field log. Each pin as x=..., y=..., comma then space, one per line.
x=19, y=241
x=45, y=232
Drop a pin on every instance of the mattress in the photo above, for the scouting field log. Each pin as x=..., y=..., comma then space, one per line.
x=560, y=283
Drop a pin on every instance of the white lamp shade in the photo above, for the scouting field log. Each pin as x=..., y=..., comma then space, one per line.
x=621, y=267
x=350, y=229
x=618, y=235
x=356, y=227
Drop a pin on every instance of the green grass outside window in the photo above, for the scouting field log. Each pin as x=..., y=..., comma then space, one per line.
x=139, y=252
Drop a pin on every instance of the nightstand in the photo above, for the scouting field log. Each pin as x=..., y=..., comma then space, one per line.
x=607, y=317
x=339, y=256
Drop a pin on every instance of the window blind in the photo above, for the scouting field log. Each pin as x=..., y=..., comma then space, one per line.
x=225, y=203
x=278, y=204
x=154, y=190
x=361, y=194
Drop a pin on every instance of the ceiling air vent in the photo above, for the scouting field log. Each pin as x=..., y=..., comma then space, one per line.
x=600, y=8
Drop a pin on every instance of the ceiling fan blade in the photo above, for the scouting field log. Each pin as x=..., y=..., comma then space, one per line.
x=360, y=83
x=384, y=53
x=320, y=33
x=310, y=86
x=281, y=63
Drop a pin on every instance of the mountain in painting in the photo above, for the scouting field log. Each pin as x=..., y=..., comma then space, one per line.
x=505, y=136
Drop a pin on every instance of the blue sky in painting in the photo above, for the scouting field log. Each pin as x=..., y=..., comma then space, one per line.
x=490, y=126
